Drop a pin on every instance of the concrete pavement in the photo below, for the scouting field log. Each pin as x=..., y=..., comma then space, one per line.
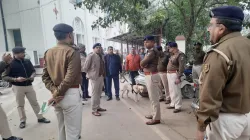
x=120, y=122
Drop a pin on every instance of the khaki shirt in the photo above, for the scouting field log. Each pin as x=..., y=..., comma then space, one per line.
x=150, y=61
x=177, y=63
x=62, y=69
x=93, y=66
x=161, y=67
x=223, y=90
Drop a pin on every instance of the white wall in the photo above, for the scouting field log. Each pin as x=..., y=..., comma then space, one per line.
x=23, y=15
x=36, y=22
x=181, y=45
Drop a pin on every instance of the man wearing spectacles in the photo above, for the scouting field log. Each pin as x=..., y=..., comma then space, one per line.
x=224, y=80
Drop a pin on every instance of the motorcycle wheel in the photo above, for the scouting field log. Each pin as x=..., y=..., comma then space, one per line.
x=144, y=94
x=187, y=92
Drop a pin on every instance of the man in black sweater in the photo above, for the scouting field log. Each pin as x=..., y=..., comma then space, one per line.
x=21, y=74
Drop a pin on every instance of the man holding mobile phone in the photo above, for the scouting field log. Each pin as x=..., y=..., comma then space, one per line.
x=21, y=74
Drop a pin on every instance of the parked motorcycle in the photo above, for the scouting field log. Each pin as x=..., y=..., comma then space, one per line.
x=187, y=89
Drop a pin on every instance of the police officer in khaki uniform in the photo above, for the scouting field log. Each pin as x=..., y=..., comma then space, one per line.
x=162, y=69
x=225, y=79
x=95, y=70
x=21, y=74
x=62, y=76
x=4, y=127
x=175, y=70
x=149, y=65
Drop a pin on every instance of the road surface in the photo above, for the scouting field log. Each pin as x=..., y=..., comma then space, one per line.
x=120, y=122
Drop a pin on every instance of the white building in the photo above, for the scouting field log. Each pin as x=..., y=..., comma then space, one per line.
x=29, y=24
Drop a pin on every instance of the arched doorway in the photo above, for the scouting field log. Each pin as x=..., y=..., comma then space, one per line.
x=78, y=31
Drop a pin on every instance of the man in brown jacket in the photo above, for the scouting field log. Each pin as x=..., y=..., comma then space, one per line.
x=225, y=78
x=95, y=70
x=162, y=69
x=175, y=70
x=149, y=65
x=62, y=76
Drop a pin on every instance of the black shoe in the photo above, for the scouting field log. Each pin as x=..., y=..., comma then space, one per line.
x=13, y=138
x=109, y=99
x=43, y=120
x=118, y=98
x=79, y=137
x=177, y=111
x=88, y=96
x=22, y=125
x=161, y=100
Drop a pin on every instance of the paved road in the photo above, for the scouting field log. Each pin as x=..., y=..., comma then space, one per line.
x=119, y=123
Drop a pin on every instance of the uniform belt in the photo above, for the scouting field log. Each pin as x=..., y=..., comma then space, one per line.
x=172, y=71
x=150, y=73
x=75, y=86
x=163, y=71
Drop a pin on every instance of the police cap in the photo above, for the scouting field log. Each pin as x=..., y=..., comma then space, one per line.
x=63, y=28
x=173, y=45
x=152, y=38
x=227, y=12
x=159, y=48
x=97, y=45
x=18, y=50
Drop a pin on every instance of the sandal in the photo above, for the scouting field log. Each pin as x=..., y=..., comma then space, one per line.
x=101, y=109
x=96, y=113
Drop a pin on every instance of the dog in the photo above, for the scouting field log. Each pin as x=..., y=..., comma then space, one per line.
x=128, y=88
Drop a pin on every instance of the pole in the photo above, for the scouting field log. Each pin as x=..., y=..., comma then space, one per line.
x=4, y=27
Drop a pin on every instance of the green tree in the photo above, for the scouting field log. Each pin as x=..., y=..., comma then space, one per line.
x=192, y=17
x=118, y=10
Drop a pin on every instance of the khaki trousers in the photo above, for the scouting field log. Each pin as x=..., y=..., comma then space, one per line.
x=69, y=115
x=164, y=80
x=96, y=86
x=230, y=127
x=4, y=125
x=29, y=92
x=174, y=91
x=152, y=84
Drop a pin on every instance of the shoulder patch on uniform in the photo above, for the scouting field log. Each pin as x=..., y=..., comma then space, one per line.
x=205, y=68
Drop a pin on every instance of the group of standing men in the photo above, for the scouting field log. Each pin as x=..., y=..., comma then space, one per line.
x=166, y=68
x=224, y=80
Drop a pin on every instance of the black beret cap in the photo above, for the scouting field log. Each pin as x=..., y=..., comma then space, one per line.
x=228, y=12
x=152, y=38
x=64, y=28
x=172, y=44
x=96, y=45
x=18, y=50
x=168, y=43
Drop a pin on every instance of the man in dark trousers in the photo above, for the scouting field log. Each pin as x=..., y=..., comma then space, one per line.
x=113, y=67
x=85, y=81
x=21, y=74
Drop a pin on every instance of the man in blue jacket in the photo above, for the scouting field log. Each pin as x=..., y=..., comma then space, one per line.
x=21, y=74
x=113, y=67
